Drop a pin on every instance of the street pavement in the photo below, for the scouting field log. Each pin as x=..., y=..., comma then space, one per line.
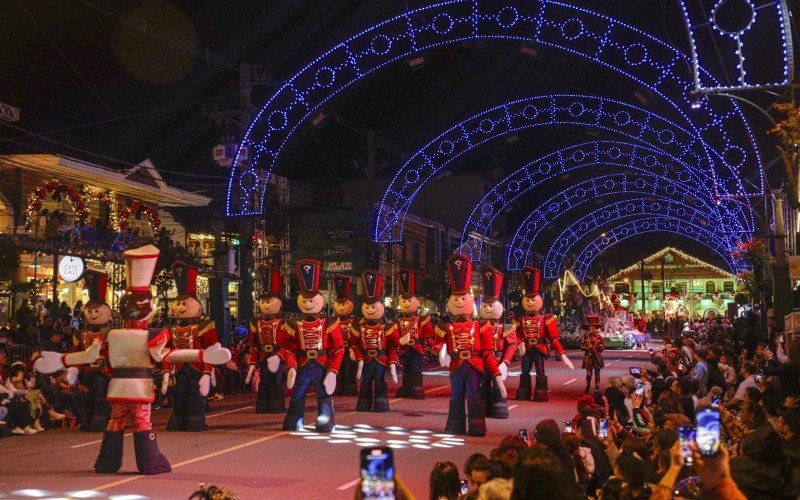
x=250, y=454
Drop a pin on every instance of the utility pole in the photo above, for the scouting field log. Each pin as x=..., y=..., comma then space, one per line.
x=245, y=304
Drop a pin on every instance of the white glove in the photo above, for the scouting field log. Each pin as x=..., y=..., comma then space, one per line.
x=352, y=355
x=216, y=355
x=393, y=369
x=521, y=349
x=204, y=384
x=164, y=382
x=330, y=382
x=250, y=372
x=503, y=367
x=444, y=358
x=567, y=362
x=501, y=386
x=93, y=352
x=405, y=339
x=291, y=375
x=49, y=362
x=359, y=369
x=273, y=363
x=72, y=375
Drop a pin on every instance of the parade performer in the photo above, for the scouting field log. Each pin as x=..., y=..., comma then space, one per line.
x=319, y=350
x=95, y=376
x=265, y=337
x=132, y=351
x=592, y=347
x=343, y=308
x=374, y=345
x=415, y=331
x=534, y=330
x=503, y=341
x=467, y=351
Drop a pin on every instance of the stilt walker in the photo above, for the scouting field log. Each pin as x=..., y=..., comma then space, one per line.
x=375, y=345
x=343, y=308
x=415, y=332
x=265, y=337
x=467, y=351
x=95, y=376
x=592, y=347
x=319, y=349
x=503, y=341
x=132, y=351
x=534, y=330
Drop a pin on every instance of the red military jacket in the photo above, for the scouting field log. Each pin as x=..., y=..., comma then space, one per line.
x=375, y=340
x=315, y=340
x=535, y=330
x=504, y=340
x=191, y=335
x=467, y=343
x=346, y=324
x=266, y=338
x=83, y=340
x=420, y=329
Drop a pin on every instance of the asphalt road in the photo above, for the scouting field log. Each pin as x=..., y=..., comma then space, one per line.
x=249, y=453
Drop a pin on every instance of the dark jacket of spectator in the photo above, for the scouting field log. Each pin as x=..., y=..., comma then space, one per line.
x=760, y=471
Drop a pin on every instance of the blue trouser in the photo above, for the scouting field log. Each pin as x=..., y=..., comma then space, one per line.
x=373, y=395
x=412, y=362
x=533, y=358
x=373, y=373
x=188, y=405
x=310, y=374
x=465, y=381
x=270, y=389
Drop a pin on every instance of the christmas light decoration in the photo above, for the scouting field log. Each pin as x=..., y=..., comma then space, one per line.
x=138, y=209
x=59, y=191
x=683, y=255
x=107, y=198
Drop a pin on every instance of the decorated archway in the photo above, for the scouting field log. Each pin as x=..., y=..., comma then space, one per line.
x=107, y=198
x=658, y=66
x=58, y=191
x=138, y=210
x=619, y=212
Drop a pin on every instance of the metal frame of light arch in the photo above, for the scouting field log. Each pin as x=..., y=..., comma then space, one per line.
x=603, y=40
x=639, y=227
x=595, y=221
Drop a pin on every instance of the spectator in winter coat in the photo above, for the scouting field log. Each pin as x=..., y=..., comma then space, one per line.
x=761, y=470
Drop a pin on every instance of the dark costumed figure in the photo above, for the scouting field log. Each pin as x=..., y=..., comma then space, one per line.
x=374, y=343
x=266, y=336
x=503, y=341
x=467, y=351
x=319, y=349
x=132, y=351
x=343, y=308
x=415, y=332
x=534, y=330
x=192, y=381
x=592, y=347
x=95, y=376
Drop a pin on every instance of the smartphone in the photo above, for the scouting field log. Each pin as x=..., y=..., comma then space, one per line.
x=603, y=432
x=640, y=388
x=523, y=433
x=651, y=351
x=464, y=486
x=568, y=426
x=377, y=473
x=707, y=437
x=760, y=376
x=715, y=401
x=780, y=339
x=686, y=436
x=635, y=370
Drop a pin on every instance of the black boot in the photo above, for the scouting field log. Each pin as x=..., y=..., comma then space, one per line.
x=476, y=419
x=277, y=403
x=404, y=391
x=294, y=417
x=524, y=389
x=365, y=398
x=340, y=377
x=262, y=398
x=499, y=405
x=149, y=459
x=456, y=419
x=588, y=383
x=325, y=420
x=381, y=402
x=110, y=458
x=417, y=389
x=540, y=393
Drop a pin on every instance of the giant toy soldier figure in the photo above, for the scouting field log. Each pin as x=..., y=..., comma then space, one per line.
x=534, y=330
x=264, y=341
x=132, y=351
x=592, y=347
x=503, y=341
x=319, y=349
x=343, y=308
x=415, y=332
x=467, y=351
x=375, y=345
x=95, y=376
x=192, y=380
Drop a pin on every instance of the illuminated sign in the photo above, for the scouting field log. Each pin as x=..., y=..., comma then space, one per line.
x=71, y=267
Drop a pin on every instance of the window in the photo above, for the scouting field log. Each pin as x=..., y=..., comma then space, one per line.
x=620, y=288
x=727, y=286
x=656, y=287
x=681, y=287
x=710, y=286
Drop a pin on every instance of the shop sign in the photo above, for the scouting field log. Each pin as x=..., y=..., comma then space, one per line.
x=340, y=233
x=337, y=251
x=71, y=267
x=338, y=267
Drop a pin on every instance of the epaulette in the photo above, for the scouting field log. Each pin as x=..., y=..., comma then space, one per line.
x=206, y=326
x=289, y=325
x=549, y=319
x=333, y=325
x=425, y=319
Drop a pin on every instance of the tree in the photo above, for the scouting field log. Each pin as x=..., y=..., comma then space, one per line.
x=788, y=131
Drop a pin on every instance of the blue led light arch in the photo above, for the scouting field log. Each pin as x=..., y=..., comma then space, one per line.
x=624, y=155
x=625, y=211
x=581, y=32
x=653, y=225
x=581, y=193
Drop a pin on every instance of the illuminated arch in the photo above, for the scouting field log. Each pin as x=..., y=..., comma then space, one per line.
x=624, y=155
x=652, y=225
x=623, y=211
x=658, y=66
